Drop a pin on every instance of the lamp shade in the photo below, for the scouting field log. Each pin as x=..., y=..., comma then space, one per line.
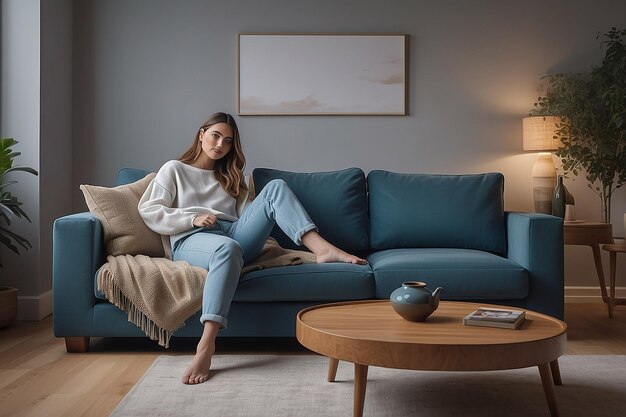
x=538, y=133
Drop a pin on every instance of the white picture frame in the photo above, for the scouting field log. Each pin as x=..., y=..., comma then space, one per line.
x=322, y=74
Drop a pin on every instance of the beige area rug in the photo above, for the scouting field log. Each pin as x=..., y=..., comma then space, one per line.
x=295, y=386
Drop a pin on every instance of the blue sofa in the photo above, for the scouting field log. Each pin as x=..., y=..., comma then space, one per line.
x=446, y=230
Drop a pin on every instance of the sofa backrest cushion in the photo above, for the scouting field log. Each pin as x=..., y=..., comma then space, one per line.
x=437, y=211
x=128, y=175
x=336, y=202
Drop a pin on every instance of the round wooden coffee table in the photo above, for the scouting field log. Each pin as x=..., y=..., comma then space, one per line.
x=371, y=333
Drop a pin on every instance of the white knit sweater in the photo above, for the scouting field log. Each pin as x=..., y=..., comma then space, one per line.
x=179, y=193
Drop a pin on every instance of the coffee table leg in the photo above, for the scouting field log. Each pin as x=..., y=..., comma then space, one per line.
x=360, y=382
x=556, y=372
x=332, y=369
x=548, y=388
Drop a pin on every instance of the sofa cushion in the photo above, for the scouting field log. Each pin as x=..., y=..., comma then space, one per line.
x=336, y=202
x=464, y=274
x=308, y=282
x=124, y=230
x=128, y=175
x=437, y=211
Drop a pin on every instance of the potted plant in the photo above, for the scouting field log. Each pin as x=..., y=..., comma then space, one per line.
x=9, y=208
x=592, y=107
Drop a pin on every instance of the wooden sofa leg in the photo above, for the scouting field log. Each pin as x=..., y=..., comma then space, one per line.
x=77, y=344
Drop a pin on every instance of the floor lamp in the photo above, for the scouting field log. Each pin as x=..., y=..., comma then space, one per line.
x=538, y=135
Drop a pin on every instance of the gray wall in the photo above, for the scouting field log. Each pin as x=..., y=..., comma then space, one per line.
x=20, y=120
x=146, y=74
x=37, y=111
x=55, y=192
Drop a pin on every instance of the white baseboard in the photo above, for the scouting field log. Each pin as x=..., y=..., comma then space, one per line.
x=34, y=308
x=589, y=294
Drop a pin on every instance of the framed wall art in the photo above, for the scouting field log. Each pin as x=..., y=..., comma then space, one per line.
x=322, y=74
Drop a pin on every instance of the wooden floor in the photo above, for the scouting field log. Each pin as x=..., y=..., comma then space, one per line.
x=38, y=378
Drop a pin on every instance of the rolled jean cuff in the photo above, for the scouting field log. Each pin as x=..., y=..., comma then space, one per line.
x=214, y=317
x=304, y=231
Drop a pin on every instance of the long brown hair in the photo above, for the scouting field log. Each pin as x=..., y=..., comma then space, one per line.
x=229, y=169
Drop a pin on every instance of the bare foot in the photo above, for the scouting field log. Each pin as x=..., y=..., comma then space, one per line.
x=198, y=370
x=326, y=252
x=334, y=254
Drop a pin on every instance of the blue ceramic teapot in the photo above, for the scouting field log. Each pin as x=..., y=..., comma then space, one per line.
x=414, y=302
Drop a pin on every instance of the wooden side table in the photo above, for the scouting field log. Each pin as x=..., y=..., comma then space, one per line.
x=613, y=251
x=591, y=234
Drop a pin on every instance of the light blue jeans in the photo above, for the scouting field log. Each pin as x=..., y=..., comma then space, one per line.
x=227, y=246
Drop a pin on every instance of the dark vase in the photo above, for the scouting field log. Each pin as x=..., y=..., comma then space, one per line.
x=414, y=302
x=559, y=199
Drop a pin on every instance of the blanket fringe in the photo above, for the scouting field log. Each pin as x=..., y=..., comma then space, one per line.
x=107, y=284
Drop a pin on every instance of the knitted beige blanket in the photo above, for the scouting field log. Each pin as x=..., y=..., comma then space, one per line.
x=159, y=294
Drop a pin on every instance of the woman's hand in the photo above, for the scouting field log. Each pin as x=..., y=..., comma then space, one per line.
x=205, y=220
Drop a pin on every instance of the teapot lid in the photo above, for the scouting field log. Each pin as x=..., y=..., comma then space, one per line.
x=414, y=284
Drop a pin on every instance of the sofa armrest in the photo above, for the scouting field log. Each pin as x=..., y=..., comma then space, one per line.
x=77, y=253
x=535, y=241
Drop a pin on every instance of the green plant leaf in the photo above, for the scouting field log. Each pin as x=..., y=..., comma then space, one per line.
x=10, y=206
x=592, y=107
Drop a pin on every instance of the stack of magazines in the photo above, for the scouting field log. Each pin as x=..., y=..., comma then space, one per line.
x=495, y=317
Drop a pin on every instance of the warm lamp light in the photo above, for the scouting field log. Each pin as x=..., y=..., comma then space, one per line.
x=538, y=135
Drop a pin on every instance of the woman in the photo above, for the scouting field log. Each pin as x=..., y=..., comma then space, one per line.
x=199, y=202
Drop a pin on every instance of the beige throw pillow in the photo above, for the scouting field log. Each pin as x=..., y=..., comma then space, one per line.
x=124, y=230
